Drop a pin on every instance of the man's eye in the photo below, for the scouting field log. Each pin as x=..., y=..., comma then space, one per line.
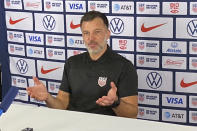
x=97, y=32
x=85, y=33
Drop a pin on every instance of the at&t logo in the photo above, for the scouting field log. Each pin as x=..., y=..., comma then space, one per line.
x=71, y=41
x=22, y=66
x=167, y=114
x=154, y=80
x=49, y=22
x=116, y=7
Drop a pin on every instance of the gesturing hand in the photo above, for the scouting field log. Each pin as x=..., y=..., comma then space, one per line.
x=110, y=98
x=38, y=91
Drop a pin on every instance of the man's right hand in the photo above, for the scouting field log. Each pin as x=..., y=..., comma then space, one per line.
x=38, y=91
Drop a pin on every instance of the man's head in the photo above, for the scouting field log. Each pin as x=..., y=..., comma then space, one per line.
x=95, y=32
x=89, y=16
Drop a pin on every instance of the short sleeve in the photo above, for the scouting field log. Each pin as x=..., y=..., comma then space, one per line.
x=128, y=81
x=65, y=86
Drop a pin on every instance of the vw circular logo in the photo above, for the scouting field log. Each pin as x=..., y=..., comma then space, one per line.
x=22, y=66
x=154, y=80
x=192, y=28
x=49, y=22
x=116, y=25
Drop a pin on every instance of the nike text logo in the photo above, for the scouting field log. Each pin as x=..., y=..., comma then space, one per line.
x=146, y=29
x=72, y=26
x=43, y=71
x=12, y=22
x=185, y=85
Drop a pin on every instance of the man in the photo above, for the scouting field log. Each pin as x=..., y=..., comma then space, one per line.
x=98, y=81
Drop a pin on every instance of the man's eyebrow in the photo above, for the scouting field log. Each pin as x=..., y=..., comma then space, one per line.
x=95, y=29
x=98, y=29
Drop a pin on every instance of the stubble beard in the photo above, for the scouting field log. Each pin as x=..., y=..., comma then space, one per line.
x=99, y=49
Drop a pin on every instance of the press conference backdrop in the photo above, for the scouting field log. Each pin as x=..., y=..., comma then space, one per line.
x=159, y=37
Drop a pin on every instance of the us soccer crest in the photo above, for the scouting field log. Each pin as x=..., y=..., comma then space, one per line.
x=102, y=81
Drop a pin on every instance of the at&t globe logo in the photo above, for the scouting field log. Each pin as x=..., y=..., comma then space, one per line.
x=116, y=7
x=71, y=41
x=167, y=114
x=30, y=51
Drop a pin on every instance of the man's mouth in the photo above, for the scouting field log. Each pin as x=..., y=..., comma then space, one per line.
x=92, y=44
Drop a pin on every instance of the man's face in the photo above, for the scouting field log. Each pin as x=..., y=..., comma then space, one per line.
x=95, y=35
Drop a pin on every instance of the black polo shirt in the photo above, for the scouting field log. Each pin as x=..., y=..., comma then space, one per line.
x=87, y=80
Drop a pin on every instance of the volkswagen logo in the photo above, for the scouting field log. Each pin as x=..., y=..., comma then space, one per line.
x=154, y=80
x=22, y=66
x=116, y=25
x=49, y=22
x=192, y=28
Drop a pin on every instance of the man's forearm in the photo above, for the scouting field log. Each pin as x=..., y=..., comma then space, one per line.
x=126, y=109
x=55, y=102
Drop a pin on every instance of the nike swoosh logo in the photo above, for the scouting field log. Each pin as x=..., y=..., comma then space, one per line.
x=43, y=71
x=12, y=22
x=73, y=26
x=185, y=85
x=146, y=29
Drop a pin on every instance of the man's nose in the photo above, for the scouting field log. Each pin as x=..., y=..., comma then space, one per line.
x=92, y=36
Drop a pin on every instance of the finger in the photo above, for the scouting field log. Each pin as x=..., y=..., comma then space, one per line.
x=105, y=101
x=113, y=86
x=31, y=95
x=29, y=89
x=28, y=92
x=101, y=103
x=107, y=98
x=36, y=80
x=99, y=100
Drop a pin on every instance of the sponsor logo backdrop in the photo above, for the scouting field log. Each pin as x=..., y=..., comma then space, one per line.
x=159, y=37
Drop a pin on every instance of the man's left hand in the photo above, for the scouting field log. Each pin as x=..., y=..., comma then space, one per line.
x=110, y=98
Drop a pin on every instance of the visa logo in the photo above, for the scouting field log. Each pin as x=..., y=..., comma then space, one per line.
x=35, y=38
x=174, y=100
x=76, y=6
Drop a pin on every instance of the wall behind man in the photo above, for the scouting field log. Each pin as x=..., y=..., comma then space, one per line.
x=158, y=36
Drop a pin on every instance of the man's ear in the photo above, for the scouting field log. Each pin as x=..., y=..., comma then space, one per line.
x=108, y=34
